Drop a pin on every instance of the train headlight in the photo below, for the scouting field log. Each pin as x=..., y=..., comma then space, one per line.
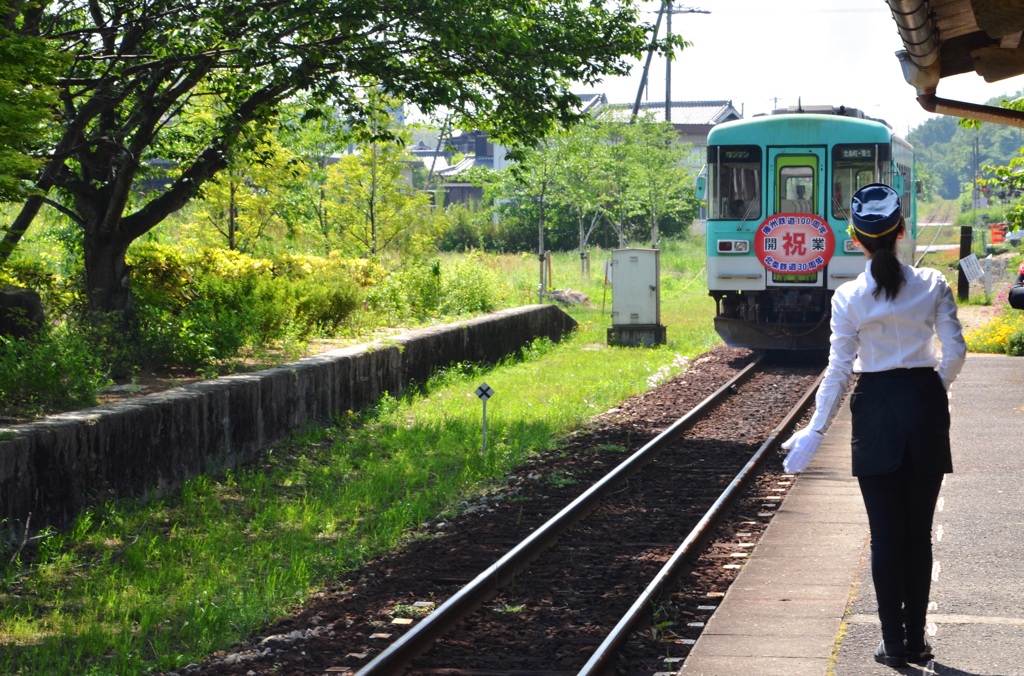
x=851, y=246
x=733, y=246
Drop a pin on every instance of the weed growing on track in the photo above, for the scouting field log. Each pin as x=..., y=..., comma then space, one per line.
x=137, y=588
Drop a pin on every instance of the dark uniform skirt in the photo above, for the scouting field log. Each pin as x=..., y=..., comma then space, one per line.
x=897, y=412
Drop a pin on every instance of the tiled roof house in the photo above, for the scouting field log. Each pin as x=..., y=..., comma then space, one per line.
x=693, y=120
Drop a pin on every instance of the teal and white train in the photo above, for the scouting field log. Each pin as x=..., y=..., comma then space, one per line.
x=778, y=193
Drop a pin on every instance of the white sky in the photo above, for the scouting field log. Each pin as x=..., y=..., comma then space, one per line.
x=823, y=52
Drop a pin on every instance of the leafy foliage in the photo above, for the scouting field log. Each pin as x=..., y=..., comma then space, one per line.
x=945, y=150
x=431, y=289
x=370, y=203
x=250, y=205
x=28, y=65
x=203, y=311
x=501, y=65
x=632, y=177
x=203, y=308
x=57, y=370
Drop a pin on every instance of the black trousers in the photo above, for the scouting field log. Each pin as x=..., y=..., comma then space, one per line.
x=900, y=508
x=900, y=452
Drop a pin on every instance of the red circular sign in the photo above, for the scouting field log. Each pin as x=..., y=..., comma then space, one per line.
x=791, y=243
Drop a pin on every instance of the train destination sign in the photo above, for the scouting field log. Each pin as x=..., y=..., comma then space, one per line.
x=794, y=243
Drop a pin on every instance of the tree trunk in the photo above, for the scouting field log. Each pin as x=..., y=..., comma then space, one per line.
x=373, y=201
x=542, y=284
x=583, y=245
x=654, y=226
x=232, y=214
x=107, y=277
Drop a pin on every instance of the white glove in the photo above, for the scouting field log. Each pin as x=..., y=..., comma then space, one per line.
x=801, y=446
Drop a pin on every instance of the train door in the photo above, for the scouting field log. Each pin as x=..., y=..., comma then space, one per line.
x=795, y=182
x=796, y=242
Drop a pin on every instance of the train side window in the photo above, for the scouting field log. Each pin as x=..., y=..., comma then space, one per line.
x=734, y=183
x=854, y=165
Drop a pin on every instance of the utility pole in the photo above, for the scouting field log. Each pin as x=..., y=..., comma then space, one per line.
x=975, y=201
x=667, y=6
x=647, y=62
x=666, y=10
x=668, y=63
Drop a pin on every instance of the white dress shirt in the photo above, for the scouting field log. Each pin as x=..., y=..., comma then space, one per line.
x=874, y=334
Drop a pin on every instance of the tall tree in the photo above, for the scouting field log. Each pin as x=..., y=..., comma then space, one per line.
x=527, y=185
x=251, y=200
x=662, y=182
x=578, y=179
x=623, y=171
x=621, y=154
x=319, y=139
x=370, y=201
x=504, y=65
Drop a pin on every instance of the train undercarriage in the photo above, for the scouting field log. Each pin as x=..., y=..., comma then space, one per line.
x=774, y=319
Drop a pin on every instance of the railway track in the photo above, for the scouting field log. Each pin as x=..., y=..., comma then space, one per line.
x=940, y=217
x=568, y=598
x=553, y=615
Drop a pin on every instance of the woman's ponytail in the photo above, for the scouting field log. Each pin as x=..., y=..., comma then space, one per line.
x=885, y=266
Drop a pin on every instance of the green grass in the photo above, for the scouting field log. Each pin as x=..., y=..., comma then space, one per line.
x=134, y=588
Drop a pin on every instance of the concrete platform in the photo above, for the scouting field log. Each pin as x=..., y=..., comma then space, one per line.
x=804, y=603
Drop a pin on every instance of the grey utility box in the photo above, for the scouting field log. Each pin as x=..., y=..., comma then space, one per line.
x=636, y=298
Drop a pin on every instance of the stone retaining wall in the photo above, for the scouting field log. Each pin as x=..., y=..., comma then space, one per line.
x=52, y=469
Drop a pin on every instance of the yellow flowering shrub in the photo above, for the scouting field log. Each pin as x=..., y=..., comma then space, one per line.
x=228, y=263
x=1002, y=334
x=362, y=271
x=161, y=274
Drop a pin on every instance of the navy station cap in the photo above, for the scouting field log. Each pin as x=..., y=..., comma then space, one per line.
x=875, y=210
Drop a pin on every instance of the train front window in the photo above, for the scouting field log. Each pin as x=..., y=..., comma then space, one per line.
x=796, y=188
x=853, y=167
x=734, y=183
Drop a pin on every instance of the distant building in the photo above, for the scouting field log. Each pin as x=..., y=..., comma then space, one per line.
x=430, y=162
x=593, y=102
x=478, y=151
x=432, y=159
x=692, y=120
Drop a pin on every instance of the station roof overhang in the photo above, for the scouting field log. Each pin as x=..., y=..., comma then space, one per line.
x=942, y=38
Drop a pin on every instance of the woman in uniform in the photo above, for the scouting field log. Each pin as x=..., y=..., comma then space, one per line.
x=884, y=325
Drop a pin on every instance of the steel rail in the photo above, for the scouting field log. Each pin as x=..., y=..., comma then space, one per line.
x=938, y=231
x=601, y=661
x=418, y=639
